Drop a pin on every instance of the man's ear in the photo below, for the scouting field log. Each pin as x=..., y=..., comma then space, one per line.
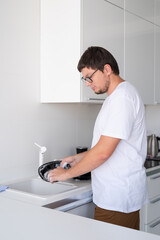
x=107, y=69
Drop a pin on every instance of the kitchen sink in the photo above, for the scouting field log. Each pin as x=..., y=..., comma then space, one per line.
x=39, y=187
x=36, y=191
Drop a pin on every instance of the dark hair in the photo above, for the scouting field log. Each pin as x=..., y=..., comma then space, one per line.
x=96, y=58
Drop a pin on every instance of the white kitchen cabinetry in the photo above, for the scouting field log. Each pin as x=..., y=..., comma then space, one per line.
x=103, y=25
x=85, y=210
x=141, y=8
x=157, y=64
x=119, y=3
x=60, y=50
x=157, y=51
x=157, y=12
x=151, y=211
x=139, y=55
x=80, y=204
x=67, y=29
x=131, y=34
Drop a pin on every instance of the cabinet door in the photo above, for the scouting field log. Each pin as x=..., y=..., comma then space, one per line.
x=85, y=210
x=60, y=51
x=139, y=56
x=153, y=210
x=157, y=12
x=103, y=25
x=157, y=64
x=142, y=8
x=153, y=227
x=153, y=182
x=119, y=3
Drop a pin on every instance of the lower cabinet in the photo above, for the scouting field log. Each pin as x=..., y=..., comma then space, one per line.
x=153, y=227
x=150, y=213
x=85, y=210
x=80, y=204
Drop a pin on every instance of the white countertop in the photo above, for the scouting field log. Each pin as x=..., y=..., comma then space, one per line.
x=20, y=220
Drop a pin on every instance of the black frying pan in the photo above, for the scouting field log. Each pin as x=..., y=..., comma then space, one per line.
x=44, y=169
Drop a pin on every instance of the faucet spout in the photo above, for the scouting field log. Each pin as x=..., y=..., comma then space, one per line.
x=42, y=150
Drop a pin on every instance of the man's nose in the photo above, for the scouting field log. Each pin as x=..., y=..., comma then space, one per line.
x=87, y=84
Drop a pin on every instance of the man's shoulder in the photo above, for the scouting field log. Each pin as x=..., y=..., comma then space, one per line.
x=127, y=90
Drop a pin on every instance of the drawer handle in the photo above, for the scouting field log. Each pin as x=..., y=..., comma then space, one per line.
x=155, y=177
x=98, y=99
x=73, y=205
x=155, y=224
x=155, y=200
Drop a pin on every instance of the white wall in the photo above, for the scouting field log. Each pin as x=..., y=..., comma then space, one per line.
x=23, y=119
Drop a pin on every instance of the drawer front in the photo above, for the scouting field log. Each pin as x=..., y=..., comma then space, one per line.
x=153, y=185
x=152, y=210
x=153, y=227
x=86, y=210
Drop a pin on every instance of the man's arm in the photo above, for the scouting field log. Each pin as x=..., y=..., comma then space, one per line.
x=93, y=159
x=74, y=159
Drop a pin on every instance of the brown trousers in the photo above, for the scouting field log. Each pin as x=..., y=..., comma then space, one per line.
x=130, y=220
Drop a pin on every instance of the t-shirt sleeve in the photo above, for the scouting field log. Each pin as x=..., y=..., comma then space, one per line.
x=120, y=118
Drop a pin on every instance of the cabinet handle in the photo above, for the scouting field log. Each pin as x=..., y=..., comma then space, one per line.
x=155, y=224
x=99, y=99
x=155, y=177
x=155, y=200
x=75, y=204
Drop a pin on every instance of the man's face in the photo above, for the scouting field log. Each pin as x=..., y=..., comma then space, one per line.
x=100, y=82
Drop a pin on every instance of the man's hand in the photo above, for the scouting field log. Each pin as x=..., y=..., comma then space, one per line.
x=58, y=174
x=61, y=174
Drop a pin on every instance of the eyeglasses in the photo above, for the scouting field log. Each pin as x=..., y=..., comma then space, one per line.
x=88, y=79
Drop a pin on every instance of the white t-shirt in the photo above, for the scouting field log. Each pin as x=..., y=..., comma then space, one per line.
x=119, y=184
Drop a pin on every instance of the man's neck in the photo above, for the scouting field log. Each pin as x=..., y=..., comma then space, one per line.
x=115, y=80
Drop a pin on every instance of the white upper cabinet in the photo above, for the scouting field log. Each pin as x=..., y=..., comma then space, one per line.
x=103, y=25
x=157, y=64
x=141, y=8
x=119, y=3
x=157, y=12
x=139, y=55
x=146, y=9
x=68, y=28
x=60, y=50
x=131, y=34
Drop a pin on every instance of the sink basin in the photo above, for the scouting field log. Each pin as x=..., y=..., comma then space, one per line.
x=36, y=191
x=38, y=187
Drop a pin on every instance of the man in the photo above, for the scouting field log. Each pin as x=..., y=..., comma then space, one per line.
x=118, y=150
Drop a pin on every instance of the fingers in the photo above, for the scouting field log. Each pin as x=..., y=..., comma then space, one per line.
x=63, y=164
x=50, y=176
x=57, y=174
x=67, y=160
